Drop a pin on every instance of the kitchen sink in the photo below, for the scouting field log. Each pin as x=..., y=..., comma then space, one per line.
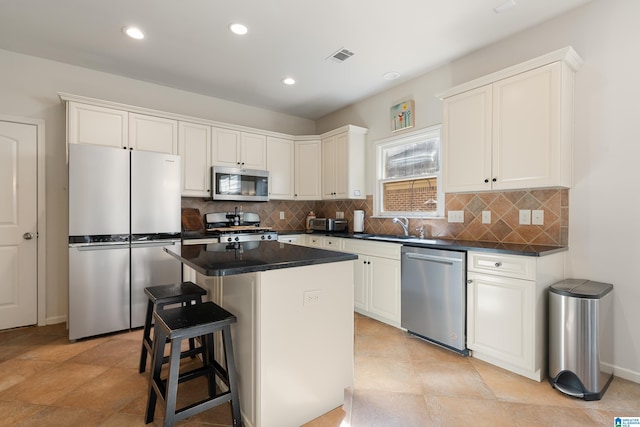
x=397, y=238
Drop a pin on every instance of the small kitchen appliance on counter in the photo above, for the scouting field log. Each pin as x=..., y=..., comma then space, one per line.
x=327, y=224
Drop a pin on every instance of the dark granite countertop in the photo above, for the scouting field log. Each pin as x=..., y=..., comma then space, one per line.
x=225, y=259
x=459, y=245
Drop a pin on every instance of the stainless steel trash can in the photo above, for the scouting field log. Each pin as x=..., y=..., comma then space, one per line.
x=581, y=337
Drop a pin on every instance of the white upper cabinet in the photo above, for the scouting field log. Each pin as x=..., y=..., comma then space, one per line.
x=239, y=149
x=310, y=167
x=280, y=164
x=194, y=147
x=514, y=132
x=91, y=124
x=308, y=157
x=466, y=150
x=149, y=133
x=343, y=164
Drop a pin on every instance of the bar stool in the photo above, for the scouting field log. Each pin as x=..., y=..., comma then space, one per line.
x=160, y=296
x=176, y=325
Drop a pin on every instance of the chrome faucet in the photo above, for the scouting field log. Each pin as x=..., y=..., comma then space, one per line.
x=404, y=224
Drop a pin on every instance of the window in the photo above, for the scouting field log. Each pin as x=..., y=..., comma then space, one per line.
x=408, y=175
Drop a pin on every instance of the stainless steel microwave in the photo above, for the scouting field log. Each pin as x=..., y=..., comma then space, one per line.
x=247, y=185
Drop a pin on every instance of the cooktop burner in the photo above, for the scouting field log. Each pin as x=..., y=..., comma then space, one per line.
x=238, y=227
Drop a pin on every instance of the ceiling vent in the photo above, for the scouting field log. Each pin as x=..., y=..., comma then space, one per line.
x=341, y=55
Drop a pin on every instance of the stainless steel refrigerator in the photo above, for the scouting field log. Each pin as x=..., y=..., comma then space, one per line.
x=124, y=207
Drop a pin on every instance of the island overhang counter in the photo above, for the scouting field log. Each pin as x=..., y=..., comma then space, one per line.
x=294, y=336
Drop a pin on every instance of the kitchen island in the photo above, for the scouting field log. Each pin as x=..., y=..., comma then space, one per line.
x=294, y=336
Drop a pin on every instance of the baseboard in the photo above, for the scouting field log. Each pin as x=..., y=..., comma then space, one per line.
x=55, y=320
x=627, y=374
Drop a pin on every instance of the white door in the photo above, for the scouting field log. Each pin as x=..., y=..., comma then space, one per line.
x=18, y=225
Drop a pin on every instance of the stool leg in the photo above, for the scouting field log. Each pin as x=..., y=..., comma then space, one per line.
x=146, y=337
x=192, y=342
x=231, y=372
x=172, y=383
x=156, y=368
x=209, y=360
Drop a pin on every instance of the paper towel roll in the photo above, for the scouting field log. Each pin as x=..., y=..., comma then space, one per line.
x=358, y=221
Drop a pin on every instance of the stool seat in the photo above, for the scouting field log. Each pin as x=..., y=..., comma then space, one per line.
x=174, y=325
x=174, y=293
x=161, y=296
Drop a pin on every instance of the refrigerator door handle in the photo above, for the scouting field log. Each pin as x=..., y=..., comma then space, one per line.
x=154, y=243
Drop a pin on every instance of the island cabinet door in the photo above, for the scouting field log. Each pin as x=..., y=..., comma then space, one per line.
x=360, y=294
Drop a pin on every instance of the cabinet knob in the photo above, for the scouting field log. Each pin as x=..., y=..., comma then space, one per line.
x=486, y=181
x=494, y=179
x=497, y=264
x=469, y=281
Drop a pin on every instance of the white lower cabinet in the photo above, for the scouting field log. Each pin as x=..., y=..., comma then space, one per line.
x=507, y=309
x=325, y=242
x=376, y=279
x=294, y=239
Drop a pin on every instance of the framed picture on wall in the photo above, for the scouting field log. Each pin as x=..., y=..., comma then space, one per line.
x=402, y=115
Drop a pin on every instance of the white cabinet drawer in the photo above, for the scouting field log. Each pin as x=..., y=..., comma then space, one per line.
x=519, y=267
x=379, y=249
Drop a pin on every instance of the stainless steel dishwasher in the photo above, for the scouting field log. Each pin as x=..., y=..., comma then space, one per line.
x=433, y=296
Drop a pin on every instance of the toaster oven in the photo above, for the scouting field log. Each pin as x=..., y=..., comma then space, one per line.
x=328, y=224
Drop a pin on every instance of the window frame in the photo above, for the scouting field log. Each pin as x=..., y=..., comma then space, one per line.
x=397, y=140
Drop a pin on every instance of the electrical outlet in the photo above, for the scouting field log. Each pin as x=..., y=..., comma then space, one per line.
x=486, y=217
x=525, y=217
x=456, y=216
x=537, y=217
x=311, y=297
x=339, y=215
x=281, y=215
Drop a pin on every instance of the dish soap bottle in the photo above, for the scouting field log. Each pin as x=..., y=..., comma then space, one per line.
x=310, y=216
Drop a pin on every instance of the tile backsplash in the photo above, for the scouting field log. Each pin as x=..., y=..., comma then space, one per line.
x=503, y=205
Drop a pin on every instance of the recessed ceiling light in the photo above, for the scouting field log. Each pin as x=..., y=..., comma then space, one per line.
x=238, y=29
x=133, y=32
x=391, y=75
x=288, y=81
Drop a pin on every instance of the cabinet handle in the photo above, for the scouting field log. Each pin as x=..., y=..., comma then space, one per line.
x=497, y=264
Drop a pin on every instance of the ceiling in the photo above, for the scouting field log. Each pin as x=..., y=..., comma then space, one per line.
x=188, y=45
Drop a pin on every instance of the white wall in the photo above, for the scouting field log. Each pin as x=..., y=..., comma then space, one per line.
x=604, y=234
x=29, y=88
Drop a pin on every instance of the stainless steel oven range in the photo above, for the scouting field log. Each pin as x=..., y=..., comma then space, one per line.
x=236, y=226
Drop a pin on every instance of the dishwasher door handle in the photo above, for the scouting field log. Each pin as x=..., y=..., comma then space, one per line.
x=433, y=258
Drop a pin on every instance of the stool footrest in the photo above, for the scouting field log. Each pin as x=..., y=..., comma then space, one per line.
x=203, y=405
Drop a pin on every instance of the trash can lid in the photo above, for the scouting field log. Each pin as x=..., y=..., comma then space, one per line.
x=581, y=288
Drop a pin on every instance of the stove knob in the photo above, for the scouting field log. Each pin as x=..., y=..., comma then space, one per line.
x=237, y=239
x=269, y=237
x=262, y=237
x=229, y=239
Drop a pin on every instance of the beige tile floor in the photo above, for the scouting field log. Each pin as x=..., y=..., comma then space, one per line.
x=399, y=381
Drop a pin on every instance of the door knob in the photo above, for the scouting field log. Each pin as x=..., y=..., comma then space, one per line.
x=27, y=236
